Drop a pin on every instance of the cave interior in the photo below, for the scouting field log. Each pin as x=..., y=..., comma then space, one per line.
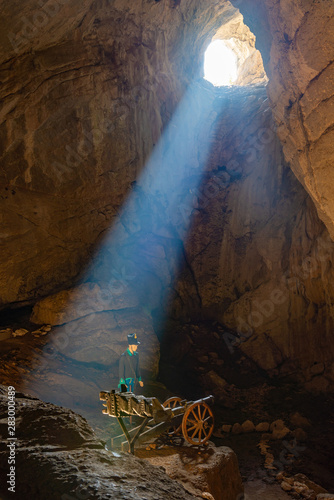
x=144, y=190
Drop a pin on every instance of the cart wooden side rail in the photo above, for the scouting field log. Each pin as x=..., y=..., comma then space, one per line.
x=194, y=418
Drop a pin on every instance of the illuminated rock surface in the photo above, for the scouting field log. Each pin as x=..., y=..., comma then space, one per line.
x=213, y=470
x=301, y=92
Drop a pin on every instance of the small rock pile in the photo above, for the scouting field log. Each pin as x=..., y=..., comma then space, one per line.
x=278, y=429
x=299, y=486
x=7, y=333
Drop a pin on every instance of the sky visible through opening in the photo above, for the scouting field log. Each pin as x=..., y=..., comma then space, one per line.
x=220, y=64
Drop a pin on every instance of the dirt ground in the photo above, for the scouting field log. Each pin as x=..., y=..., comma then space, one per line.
x=258, y=490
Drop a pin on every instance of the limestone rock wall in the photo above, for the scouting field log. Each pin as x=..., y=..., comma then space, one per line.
x=92, y=323
x=260, y=255
x=298, y=37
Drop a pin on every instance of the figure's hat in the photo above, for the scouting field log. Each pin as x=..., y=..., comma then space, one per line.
x=132, y=339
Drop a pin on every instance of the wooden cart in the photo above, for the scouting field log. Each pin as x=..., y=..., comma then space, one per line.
x=193, y=418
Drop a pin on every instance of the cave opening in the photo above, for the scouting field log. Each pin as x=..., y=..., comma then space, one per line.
x=231, y=57
x=220, y=64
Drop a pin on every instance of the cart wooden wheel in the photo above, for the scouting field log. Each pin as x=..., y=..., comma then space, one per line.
x=197, y=423
x=173, y=403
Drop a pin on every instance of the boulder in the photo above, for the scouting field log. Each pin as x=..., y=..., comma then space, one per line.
x=85, y=299
x=300, y=488
x=236, y=429
x=6, y=334
x=318, y=384
x=297, y=420
x=286, y=486
x=20, y=332
x=278, y=429
x=262, y=427
x=102, y=337
x=217, y=383
x=277, y=425
x=300, y=434
x=203, y=359
x=280, y=433
x=248, y=426
x=213, y=471
x=317, y=369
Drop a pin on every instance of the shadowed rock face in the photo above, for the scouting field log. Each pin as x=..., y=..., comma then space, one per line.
x=87, y=90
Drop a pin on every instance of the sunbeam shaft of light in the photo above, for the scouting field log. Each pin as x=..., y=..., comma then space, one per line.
x=136, y=265
x=161, y=203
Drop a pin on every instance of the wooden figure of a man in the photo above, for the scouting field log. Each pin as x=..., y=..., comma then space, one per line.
x=129, y=370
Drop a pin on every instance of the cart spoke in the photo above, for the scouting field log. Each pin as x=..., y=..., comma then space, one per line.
x=193, y=412
x=206, y=433
x=207, y=418
x=195, y=432
x=173, y=402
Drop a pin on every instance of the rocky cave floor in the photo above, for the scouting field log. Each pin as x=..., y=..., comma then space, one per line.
x=307, y=451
